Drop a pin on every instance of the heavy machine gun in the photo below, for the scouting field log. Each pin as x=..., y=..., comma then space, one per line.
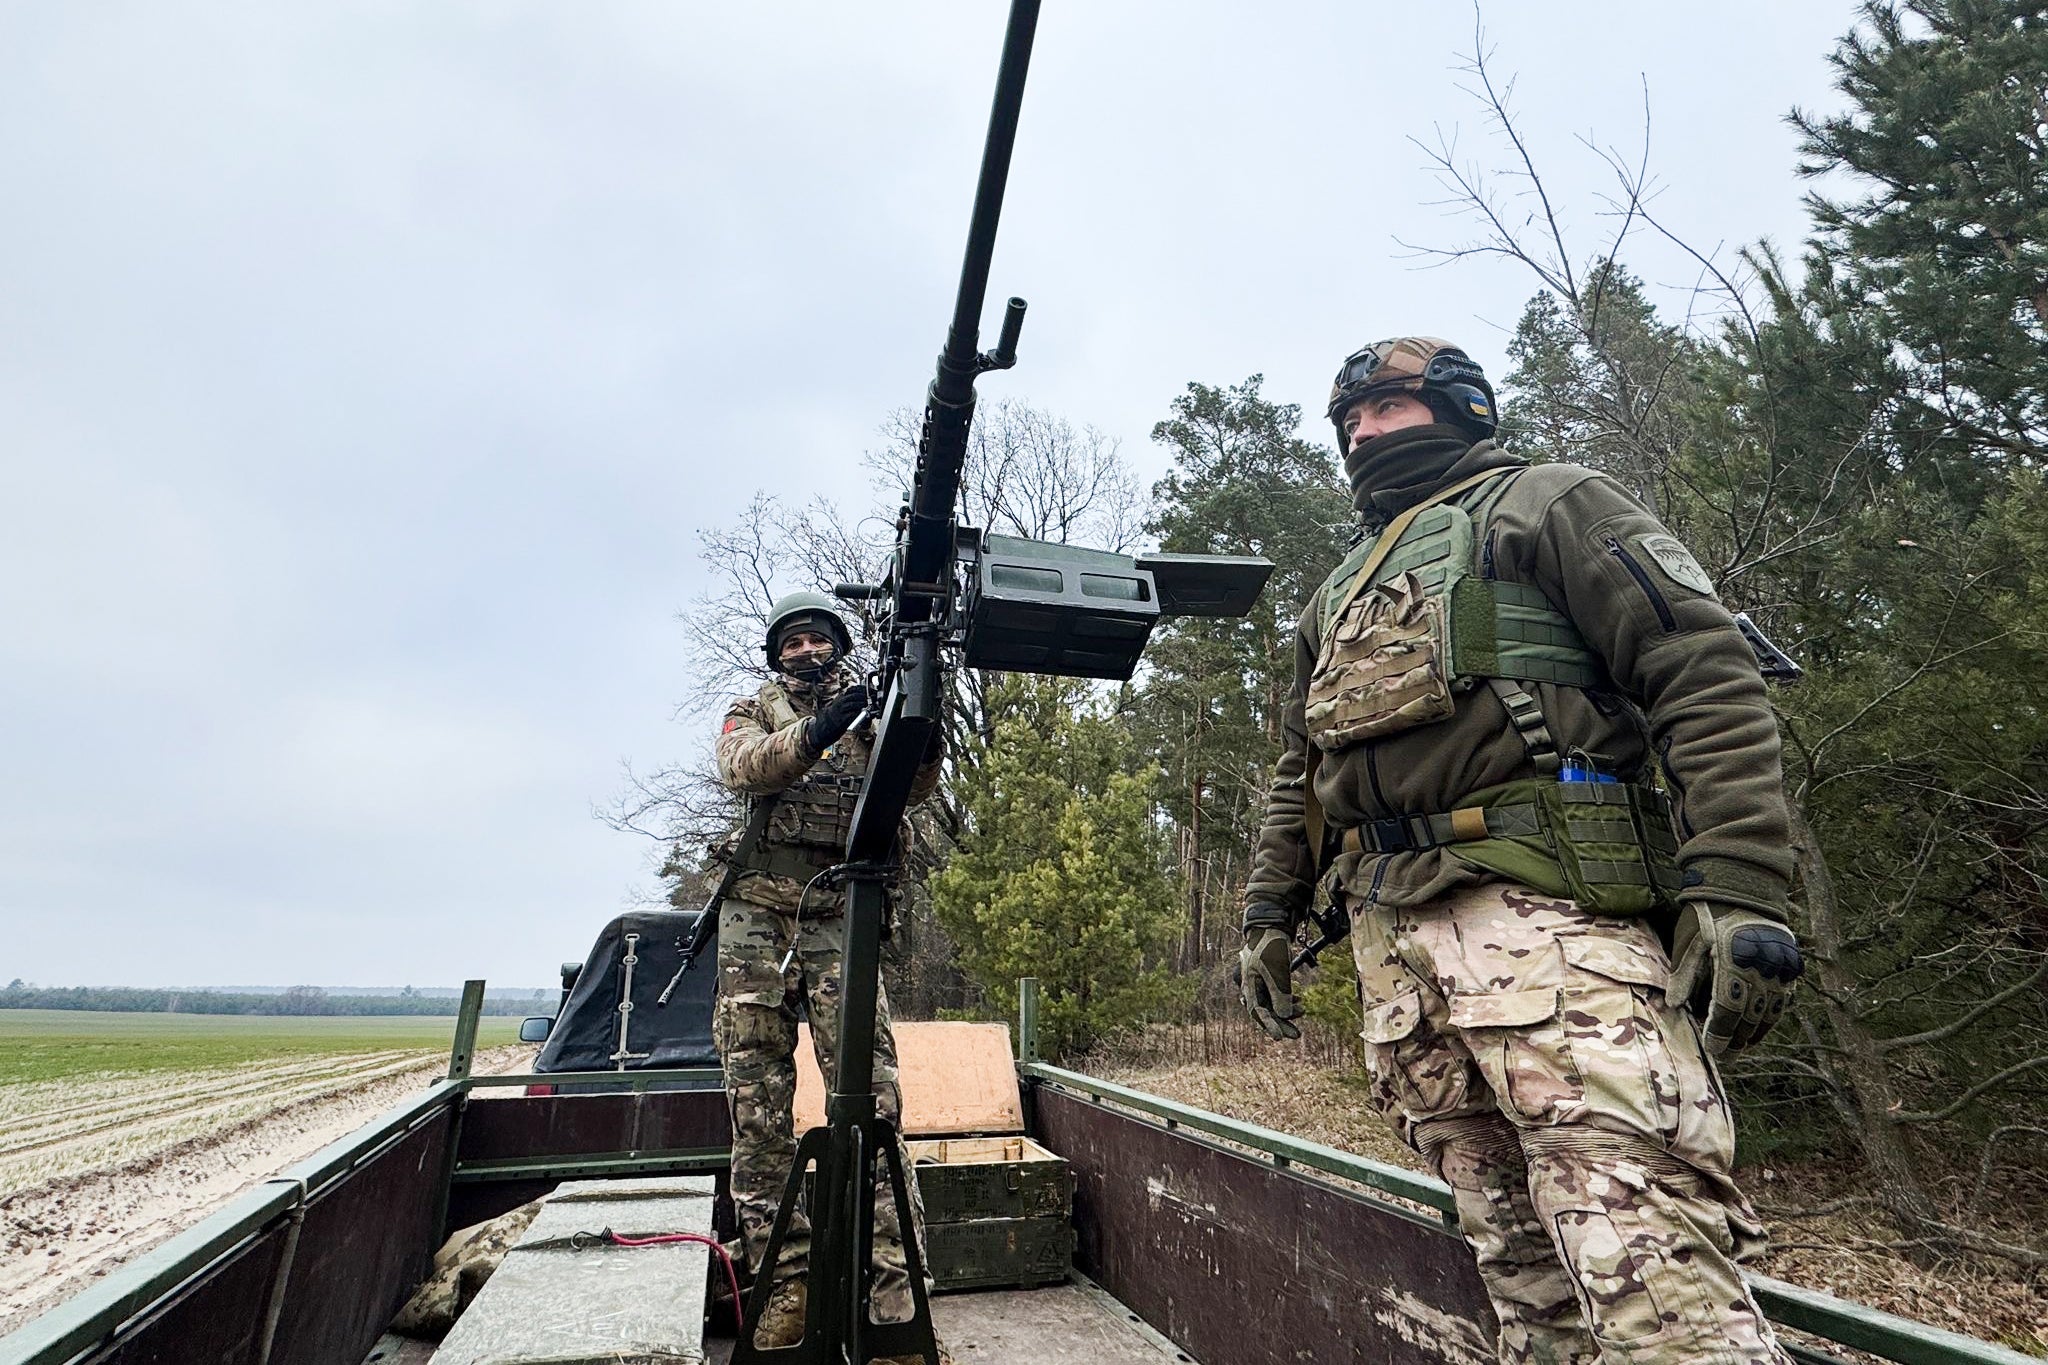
x=991, y=602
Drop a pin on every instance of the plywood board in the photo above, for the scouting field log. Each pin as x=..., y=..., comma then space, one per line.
x=978, y=1150
x=957, y=1078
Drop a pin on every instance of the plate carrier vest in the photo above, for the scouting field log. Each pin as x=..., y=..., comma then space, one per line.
x=1405, y=627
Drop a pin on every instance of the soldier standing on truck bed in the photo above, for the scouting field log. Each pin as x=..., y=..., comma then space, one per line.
x=1482, y=692
x=780, y=935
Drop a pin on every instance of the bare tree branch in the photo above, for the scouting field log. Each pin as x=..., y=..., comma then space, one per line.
x=1967, y=1018
x=1962, y=1101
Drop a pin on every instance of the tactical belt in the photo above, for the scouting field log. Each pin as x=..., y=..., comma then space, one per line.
x=1413, y=833
x=799, y=864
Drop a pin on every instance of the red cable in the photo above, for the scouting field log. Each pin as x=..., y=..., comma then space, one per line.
x=732, y=1277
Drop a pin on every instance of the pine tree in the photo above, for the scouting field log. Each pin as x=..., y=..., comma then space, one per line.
x=1947, y=137
x=1243, y=483
x=1062, y=871
x=1603, y=383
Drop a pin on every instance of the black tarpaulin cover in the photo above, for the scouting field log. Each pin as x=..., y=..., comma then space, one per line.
x=586, y=1033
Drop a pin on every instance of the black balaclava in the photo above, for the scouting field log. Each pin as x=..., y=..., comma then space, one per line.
x=1397, y=470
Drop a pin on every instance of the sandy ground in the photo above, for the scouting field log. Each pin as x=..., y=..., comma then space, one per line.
x=90, y=1184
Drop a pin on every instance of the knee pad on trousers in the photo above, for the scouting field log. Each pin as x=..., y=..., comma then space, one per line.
x=1485, y=1138
x=1576, y=1148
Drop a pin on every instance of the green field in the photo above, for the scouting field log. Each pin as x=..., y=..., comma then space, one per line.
x=50, y=1045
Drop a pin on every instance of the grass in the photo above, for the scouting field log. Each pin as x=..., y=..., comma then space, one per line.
x=50, y=1045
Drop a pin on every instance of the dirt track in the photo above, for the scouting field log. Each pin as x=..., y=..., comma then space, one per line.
x=87, y=1184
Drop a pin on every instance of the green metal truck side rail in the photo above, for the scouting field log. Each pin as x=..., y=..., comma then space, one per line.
x=613, y=1080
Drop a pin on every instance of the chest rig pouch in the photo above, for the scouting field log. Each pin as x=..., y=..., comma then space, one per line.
x=813, y=817
x=817, y=812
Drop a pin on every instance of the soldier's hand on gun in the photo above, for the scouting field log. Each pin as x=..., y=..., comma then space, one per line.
x=835, y=718
x=1735, y=970
x=1263, y=978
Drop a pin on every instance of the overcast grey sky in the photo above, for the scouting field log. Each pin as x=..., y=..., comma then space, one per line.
x=367, y=369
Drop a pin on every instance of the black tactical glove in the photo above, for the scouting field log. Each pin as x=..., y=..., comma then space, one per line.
x=1262, y=971
x=1735, y=970
x=835, y=718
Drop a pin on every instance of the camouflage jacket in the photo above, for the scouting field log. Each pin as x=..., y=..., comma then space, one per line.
x=761, y=751
x=1675, y=660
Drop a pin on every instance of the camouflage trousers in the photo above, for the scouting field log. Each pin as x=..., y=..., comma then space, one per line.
x=754, y=1025
x=1524, y=1046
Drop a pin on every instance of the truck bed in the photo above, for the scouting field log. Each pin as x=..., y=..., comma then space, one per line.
x=1243, y=1245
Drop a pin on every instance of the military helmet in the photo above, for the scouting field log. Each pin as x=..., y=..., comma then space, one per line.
x=1431, y=368
x=806, y=611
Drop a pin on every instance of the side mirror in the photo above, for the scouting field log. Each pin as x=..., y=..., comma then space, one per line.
x=535, y=1028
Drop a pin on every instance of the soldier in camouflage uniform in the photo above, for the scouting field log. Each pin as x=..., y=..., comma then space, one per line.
x=1549, y=949
x=780, y=936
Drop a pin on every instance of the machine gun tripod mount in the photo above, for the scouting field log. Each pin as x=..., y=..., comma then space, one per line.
x=992, y=602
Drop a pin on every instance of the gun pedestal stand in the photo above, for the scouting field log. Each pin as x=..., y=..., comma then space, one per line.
x=855, y=1145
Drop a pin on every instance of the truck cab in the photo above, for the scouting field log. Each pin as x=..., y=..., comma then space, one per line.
x=613, y=1016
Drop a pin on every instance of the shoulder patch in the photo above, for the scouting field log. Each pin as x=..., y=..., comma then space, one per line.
x=1676, y=561
x=732, y=723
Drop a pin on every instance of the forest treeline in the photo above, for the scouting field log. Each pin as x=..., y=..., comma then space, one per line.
x=1850, y=436
x=294, y=1001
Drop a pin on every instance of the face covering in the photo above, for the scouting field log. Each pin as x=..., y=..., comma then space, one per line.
x=1397, y=470
x=809, y=670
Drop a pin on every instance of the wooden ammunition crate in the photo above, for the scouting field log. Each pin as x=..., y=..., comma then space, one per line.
x=998, y=1211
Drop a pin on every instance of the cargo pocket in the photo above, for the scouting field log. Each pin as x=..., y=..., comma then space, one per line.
x=1417, y=1073
x=1615, y=1254
x=1613, y=1015
x=1388, y=1024
x=1519, y=1041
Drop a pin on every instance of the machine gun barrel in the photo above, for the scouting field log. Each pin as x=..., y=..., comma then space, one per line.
x=949, y=404
x=921, y=582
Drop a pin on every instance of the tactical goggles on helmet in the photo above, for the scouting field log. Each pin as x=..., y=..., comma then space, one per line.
x=1354, y=374
x=1450, y=372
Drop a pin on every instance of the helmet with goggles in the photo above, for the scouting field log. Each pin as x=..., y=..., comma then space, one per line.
x=1432, y=369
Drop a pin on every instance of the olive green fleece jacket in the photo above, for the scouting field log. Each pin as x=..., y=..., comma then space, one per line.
x=1683, y=681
